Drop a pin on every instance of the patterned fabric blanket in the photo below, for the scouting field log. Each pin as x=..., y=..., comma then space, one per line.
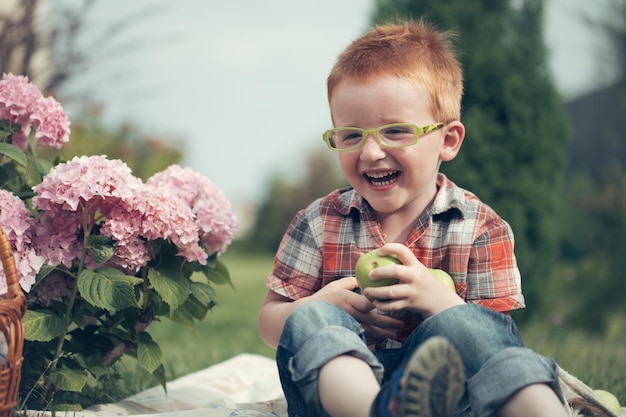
x=248, y=386
x=245, y=385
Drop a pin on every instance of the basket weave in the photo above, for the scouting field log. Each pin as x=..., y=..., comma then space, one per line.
x=12, y=310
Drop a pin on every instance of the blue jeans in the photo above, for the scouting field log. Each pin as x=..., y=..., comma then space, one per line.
x=496, y=362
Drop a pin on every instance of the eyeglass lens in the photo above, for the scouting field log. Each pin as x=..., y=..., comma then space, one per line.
x=395, y=135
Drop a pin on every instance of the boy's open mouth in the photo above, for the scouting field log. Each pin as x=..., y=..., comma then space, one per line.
x=380, y=179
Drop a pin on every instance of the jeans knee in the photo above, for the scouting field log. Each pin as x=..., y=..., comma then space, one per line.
x=316, y=310
x=310, y=318
x=476, y=331
x=473, y=321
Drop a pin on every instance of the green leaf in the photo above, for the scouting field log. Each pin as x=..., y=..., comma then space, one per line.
x=148, y=352
x=183, y=317
x=159, y=375
x=100, y=247
x=172, y=287
x=91, y=360
x=44, y=271
x=68, y=379
x=92, y=381
x=195, y=308
x=14, y=153
x=107, y=288
x=43, y=166
x=203, y=293
x=218, y=273
x=42, y=326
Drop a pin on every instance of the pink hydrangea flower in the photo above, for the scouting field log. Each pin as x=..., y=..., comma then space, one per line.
x=57, y=237
x=78, y=194
x=212, y=210
x=93, y=191
x=85, y=181
x=52, y=127
x=22, y=103
x=16, y=222
x=154, y=214
x=17, y=99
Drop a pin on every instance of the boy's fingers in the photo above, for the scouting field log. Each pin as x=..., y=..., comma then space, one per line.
x=404, y=254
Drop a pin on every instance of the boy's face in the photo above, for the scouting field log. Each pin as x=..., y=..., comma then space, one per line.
x=392, y=180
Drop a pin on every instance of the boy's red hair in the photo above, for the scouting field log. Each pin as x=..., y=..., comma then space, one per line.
x=414, y=51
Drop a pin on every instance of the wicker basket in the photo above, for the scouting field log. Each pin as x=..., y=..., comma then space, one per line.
x=12, y=310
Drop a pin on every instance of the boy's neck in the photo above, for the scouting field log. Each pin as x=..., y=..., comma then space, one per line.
x=396, y=233
x=397, y=226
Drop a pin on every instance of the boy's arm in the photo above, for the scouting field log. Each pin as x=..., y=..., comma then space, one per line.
x=274, y=311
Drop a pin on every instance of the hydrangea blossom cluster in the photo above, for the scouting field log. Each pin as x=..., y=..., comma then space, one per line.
x=74, y=198
x=89, y=193
x=153, y=214
x=212, y=210
x=17, y=224
x=21, y=103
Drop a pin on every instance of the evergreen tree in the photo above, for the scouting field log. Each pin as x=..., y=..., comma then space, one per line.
x=516, y=128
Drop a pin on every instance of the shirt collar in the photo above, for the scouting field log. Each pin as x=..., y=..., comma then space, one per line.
x=449, y=197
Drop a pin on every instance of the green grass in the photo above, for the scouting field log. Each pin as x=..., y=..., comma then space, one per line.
x=598, y=362
x=231, y=328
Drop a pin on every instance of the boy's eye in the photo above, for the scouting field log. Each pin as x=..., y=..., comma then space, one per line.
x=350, y=136
x=398, y=132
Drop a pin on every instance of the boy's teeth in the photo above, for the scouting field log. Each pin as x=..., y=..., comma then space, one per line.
x=380, y=174
x=382, y=178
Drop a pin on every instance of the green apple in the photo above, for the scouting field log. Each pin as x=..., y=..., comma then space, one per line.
x=609, y=400
x=444, y=277
x=369, y=261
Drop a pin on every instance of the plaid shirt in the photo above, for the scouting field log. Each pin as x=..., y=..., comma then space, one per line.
x=457, y=233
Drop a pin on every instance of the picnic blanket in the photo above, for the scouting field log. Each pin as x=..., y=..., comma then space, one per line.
x=247, y=385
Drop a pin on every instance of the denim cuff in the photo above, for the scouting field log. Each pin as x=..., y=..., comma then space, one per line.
x=507, y=372
x=325, y=345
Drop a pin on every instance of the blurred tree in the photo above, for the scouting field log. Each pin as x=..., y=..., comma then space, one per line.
x=513, y=157
x=594, y=245
x=46, y=42
x=615, y=29
x=595, y=193
x=286, y=196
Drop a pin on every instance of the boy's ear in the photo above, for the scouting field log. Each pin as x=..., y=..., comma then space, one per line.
x=452, y=141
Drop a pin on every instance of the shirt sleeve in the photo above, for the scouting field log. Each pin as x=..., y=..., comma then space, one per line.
x=297, y=262
x=493, y=278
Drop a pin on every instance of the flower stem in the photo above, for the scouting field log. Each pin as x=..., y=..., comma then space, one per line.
x=87, y=226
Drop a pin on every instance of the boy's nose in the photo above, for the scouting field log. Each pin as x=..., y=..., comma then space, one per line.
x=372, y=150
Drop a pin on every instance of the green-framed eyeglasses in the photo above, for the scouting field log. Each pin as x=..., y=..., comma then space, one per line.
x=394, y=135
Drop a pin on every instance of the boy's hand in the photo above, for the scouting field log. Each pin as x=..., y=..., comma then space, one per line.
x=342, y=293
x=418, y=290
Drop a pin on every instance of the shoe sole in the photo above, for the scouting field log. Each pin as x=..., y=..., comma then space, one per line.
x=434, y=380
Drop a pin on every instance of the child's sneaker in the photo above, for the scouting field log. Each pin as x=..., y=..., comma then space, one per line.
x=431, y=386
